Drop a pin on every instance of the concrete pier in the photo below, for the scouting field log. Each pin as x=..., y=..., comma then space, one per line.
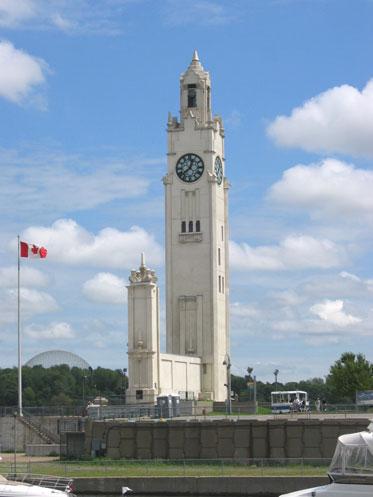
x=269, y=486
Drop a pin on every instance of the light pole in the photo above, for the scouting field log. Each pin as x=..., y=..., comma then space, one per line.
x=15, y=442
x=84, y=379
x=124, y=384
x=227, y=363
x=276, y=372
x=251, y=380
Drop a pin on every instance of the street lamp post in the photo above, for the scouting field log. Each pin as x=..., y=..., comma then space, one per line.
x=251, y=380
x=124, y=384
x=276, y=372
x=15, y=442
x=227, y=363
x=84, y=380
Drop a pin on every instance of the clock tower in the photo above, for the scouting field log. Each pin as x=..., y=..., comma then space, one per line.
x=196, y=194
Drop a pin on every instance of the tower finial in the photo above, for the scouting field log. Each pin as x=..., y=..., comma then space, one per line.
x=142, y=259
x=195, y=56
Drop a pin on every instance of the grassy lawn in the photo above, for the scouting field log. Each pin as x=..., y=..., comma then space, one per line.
x=102, y=468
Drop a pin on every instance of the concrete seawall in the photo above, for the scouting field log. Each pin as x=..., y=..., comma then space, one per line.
x=219, y=439
x=205, y=485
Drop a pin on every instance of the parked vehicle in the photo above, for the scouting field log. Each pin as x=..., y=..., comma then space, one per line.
x=289, y=401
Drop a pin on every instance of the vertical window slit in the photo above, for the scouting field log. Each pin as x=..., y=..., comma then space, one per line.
x=183, y=226
x=190, y=226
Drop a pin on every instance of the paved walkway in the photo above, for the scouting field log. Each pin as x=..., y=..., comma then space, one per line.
x=265, y=417
x=21, y=457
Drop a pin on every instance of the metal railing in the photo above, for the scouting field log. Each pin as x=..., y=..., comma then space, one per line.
x=132, y=412
x=46, y=481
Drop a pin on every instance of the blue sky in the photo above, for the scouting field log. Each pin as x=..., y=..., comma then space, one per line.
x=85, y=88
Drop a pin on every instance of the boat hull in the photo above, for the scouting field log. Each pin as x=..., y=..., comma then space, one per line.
x=334, y=490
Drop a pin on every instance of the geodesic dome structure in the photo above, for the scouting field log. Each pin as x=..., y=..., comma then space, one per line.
x=57, y=357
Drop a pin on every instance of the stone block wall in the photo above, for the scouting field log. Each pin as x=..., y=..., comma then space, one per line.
x=9, y=427
x=219, y=439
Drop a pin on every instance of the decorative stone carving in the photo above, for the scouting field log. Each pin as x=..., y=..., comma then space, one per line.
x=143, y=275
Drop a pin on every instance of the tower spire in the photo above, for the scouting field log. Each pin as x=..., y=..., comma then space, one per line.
x=196, y=63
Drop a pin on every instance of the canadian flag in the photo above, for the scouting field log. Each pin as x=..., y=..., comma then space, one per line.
x=30, y=250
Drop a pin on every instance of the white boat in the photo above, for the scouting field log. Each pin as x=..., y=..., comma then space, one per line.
x=351, y=469
x=26, y=485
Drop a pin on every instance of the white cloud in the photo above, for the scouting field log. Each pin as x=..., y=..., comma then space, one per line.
x=81, y=183
x=33, y=302
x=106, y=288
x=288, y=297
x=207, y=12
x=69, y=243
x=332, y=312
x=36, y=302
x=293, y=252
x=350, y=276
x=20, y=74
x=328, y=187
x=337, y=120
x=243, y=310
x=318, y=308
x=62, y=23
x=233, y=119
x=29, y=277
x=14, y=12
x=72, y=16
x=54, y=331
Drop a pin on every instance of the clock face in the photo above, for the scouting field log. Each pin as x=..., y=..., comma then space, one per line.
x=218, y=170
x=189, y=168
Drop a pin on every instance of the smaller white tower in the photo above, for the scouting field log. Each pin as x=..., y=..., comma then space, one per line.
x=143, y=336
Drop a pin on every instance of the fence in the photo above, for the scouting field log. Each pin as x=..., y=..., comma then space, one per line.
x=137, y=412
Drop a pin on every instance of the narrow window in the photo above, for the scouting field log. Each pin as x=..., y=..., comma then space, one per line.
x=190, y=226
x=222, y=284
x=183, y=226
x=192, y=96
x=198, y=226
x=219, y=284
x=222, y=233
x=219, y=256
x=208, y=98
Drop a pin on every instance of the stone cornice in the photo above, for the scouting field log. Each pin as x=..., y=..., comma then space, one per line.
x=190, y=237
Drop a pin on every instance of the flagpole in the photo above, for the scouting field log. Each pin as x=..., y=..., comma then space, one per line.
x=19, y=333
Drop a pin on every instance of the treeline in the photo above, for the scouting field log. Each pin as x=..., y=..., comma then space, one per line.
x=349, y=374
x=64, y=386
x=61, y=385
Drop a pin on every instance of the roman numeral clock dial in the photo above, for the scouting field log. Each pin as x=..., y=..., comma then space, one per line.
x=189, y=168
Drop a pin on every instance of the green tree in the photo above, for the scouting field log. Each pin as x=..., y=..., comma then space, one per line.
x=239, y=387
x=347, y=375
x=29, y=397
x=8, y=387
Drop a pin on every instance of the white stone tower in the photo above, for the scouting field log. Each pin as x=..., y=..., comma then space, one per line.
x=143, y=336
x=196, y=192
